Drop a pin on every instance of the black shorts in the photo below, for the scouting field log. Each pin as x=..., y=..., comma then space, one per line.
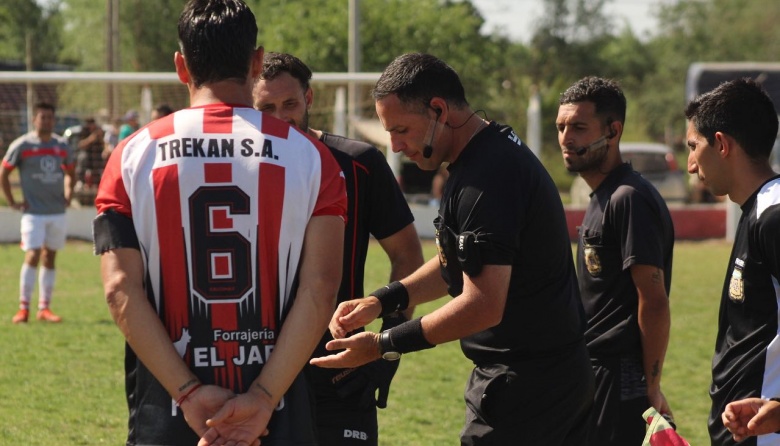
x=620, y=401
x=342, y=419
x=544, y=401
x=346, y=426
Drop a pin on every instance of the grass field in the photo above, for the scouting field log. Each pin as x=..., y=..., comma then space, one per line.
x=63, y=384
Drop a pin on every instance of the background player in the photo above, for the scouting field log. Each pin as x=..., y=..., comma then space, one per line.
x=376, y=206
x=46, y=172
x=217, y=227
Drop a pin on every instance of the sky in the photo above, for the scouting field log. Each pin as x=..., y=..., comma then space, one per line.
x=516, y=17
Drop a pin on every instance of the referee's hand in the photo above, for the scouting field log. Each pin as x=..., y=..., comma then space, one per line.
x=361, y=348
x=353, y=314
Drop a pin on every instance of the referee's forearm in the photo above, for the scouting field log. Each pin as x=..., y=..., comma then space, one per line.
x=654, y=326
x=425, y=284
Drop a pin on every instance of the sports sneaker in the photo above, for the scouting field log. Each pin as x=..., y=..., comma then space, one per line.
x=48, y=316
x=20, y=317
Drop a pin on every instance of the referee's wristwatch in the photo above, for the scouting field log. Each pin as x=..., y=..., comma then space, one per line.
x=386, y=347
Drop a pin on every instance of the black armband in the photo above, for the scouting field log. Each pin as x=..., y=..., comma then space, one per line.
x=112, y=230
x=408, y=337
x=393, y=297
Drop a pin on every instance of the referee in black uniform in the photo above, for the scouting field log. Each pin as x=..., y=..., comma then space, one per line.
x=731, y=131
x=505, y=258
x=624, y=264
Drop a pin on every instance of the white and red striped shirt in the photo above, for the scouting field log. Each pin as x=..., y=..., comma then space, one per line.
x=220, y=198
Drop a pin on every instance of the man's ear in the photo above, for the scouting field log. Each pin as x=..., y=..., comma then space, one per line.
x=181, y=68
x=725, y=142
x=439, y=107
x=257, y=62
x=615, y=130
x=309, y=97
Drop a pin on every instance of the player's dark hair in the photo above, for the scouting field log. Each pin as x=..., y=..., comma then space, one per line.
x=44, y=106
x=605, y=94
x=217, y=38
x=740, y=108
x=417, y=78
x=275, y=64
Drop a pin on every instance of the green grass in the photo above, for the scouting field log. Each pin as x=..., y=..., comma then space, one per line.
x=63, y=384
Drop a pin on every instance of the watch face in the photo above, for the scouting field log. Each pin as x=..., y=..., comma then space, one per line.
x=391, y=356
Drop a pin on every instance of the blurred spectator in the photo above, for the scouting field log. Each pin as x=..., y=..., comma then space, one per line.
x=111, y=137
x=130, y=126
x=161, y=110
x=89, y=161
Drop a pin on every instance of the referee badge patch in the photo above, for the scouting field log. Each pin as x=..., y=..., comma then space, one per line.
x=737, y=283
x=442, y=257
x=592, y=261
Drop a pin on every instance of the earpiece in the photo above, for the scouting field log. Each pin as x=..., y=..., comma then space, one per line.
x=612, y=132
x=428, y=149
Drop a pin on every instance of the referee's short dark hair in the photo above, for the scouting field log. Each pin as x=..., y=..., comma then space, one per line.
x=217, y=39
x=416, y=78
x=605, y=94
x=740, y=108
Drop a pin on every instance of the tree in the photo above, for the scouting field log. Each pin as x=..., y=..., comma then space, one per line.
x=571, y=41
x=152, y=27
x=449, y=30
x=22, y=18
x=147, y=30
x=702, y=31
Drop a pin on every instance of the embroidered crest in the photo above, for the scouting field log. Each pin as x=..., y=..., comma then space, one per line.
x=592, y=261
x=737, y=283
x=442, y=257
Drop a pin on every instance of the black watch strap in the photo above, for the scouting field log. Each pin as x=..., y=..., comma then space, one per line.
x=386, y=347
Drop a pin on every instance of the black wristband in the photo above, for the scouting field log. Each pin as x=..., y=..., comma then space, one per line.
x=408, y=337
x=393, y=297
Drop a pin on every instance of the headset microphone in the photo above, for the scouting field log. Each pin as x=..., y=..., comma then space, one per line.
x=428, y=149
x=584, y=149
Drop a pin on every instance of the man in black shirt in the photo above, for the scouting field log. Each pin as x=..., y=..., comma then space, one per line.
x=730, y=135
x=345, y=398
x=505, y=257
x=624, y=264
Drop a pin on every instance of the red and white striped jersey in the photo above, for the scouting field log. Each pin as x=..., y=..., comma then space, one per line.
x=220, y=198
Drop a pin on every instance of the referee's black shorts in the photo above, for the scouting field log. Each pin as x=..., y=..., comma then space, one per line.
x=620, y=401
x=543, y=401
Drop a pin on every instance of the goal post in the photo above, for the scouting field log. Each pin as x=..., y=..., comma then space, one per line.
x=106, y=96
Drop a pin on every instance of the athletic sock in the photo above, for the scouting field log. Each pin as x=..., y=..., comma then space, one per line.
x=45, y=286
x=26, y=285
